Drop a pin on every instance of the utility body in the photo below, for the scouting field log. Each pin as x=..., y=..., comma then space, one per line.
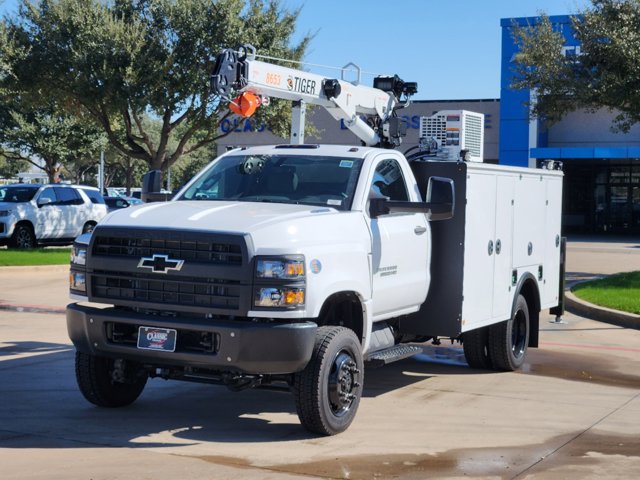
x=297, y=265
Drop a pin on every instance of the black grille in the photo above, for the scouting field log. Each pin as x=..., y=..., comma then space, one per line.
x=214, y=274
x=185, y=291
x=200, y=250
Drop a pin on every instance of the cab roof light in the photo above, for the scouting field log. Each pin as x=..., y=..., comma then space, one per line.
x=305, y=146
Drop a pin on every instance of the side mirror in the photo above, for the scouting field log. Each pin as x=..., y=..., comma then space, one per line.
x=439, y=205
x=441, y=198
x=44, y=201
x=378, y=206
x=152, y=186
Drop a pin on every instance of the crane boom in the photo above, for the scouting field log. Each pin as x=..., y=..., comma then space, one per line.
x=237, y=72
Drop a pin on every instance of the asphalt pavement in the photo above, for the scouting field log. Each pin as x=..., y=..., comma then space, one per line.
x=573, y=411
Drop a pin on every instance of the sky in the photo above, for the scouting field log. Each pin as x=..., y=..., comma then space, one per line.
x=450, y=47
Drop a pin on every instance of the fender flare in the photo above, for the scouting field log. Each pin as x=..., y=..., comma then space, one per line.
x=533, y=300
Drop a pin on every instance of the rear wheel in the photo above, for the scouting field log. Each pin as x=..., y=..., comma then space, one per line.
x=476, y=348
x=108, y=383
x=23, y=237
x=328, y=390
x=508, y=340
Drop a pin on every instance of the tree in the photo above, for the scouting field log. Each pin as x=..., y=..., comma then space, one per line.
x=35, y=127
x=187, y=167
x=121, y=170
x=83, y=169
x=46, y=136
x=606, y=73
x=123, y=59
x=9, y=166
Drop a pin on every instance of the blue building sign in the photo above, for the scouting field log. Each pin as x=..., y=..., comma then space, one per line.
x=515, y=126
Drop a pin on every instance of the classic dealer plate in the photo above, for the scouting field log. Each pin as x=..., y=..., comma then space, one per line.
x=160, y=339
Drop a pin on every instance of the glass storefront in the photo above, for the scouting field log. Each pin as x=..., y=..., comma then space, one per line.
x=602, y=196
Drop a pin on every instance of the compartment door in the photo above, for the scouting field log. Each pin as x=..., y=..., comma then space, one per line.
x=479, y=251
x=502, y=294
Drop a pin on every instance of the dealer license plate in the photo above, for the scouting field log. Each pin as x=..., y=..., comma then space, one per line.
x=160, y=339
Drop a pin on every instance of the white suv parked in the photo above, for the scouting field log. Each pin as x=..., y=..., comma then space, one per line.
x=51, y=214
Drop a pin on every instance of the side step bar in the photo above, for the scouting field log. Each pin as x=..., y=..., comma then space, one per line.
x=391, y=354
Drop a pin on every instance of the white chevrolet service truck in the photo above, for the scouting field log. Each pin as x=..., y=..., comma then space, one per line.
x=300, y=265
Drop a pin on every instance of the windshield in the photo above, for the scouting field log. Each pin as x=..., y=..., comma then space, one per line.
x=313, y=180
x=17, y=194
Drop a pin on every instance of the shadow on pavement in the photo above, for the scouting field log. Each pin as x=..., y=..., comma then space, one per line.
x=37, y=348
x=43, y=408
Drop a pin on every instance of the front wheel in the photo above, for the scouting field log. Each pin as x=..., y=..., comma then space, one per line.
x=23, y=237
x=508, y=341
x=328, y=390
x=108, y=383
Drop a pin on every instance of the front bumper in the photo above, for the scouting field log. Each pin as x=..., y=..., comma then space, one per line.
x=5, y=235
x=247, y=347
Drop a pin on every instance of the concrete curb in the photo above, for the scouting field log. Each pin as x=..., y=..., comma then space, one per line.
x=36, y=268
x=602, y=314
x=32, y=309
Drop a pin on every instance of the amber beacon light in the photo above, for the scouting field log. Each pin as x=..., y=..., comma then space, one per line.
x=245, y=104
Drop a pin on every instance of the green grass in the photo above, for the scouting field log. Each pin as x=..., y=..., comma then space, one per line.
x=620, y=292
x=40, y=256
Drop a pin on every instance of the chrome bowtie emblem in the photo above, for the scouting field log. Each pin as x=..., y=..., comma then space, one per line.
x=160, y=263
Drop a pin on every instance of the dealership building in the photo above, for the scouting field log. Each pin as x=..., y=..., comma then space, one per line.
x=602, y=168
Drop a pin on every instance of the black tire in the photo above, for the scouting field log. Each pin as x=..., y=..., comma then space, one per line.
x=476, y=348
x=328, y=390
x=508, y=341
x=95, y=378
x=23, y=237
x=88, y=227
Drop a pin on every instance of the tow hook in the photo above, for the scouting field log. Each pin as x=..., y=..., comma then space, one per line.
x=119, y=373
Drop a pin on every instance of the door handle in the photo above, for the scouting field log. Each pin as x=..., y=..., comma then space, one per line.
x=419, y=230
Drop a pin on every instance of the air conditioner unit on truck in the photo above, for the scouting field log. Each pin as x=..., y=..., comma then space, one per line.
x=300, y=265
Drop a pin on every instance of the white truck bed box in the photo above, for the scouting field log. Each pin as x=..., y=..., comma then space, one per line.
x=506, y=228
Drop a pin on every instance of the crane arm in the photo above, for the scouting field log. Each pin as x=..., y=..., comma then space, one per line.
x=239, y=71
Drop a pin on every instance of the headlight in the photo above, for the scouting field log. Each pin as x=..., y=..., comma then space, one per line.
x=286, y=268
x=79, y=255
x=78, y=281
x=5, y=213
x=279, y=282
x=78, y=273
x=279, y=297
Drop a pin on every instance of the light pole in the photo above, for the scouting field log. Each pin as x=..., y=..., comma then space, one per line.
x=101, y=173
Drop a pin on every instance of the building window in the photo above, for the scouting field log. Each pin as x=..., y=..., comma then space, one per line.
x=602, y=196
